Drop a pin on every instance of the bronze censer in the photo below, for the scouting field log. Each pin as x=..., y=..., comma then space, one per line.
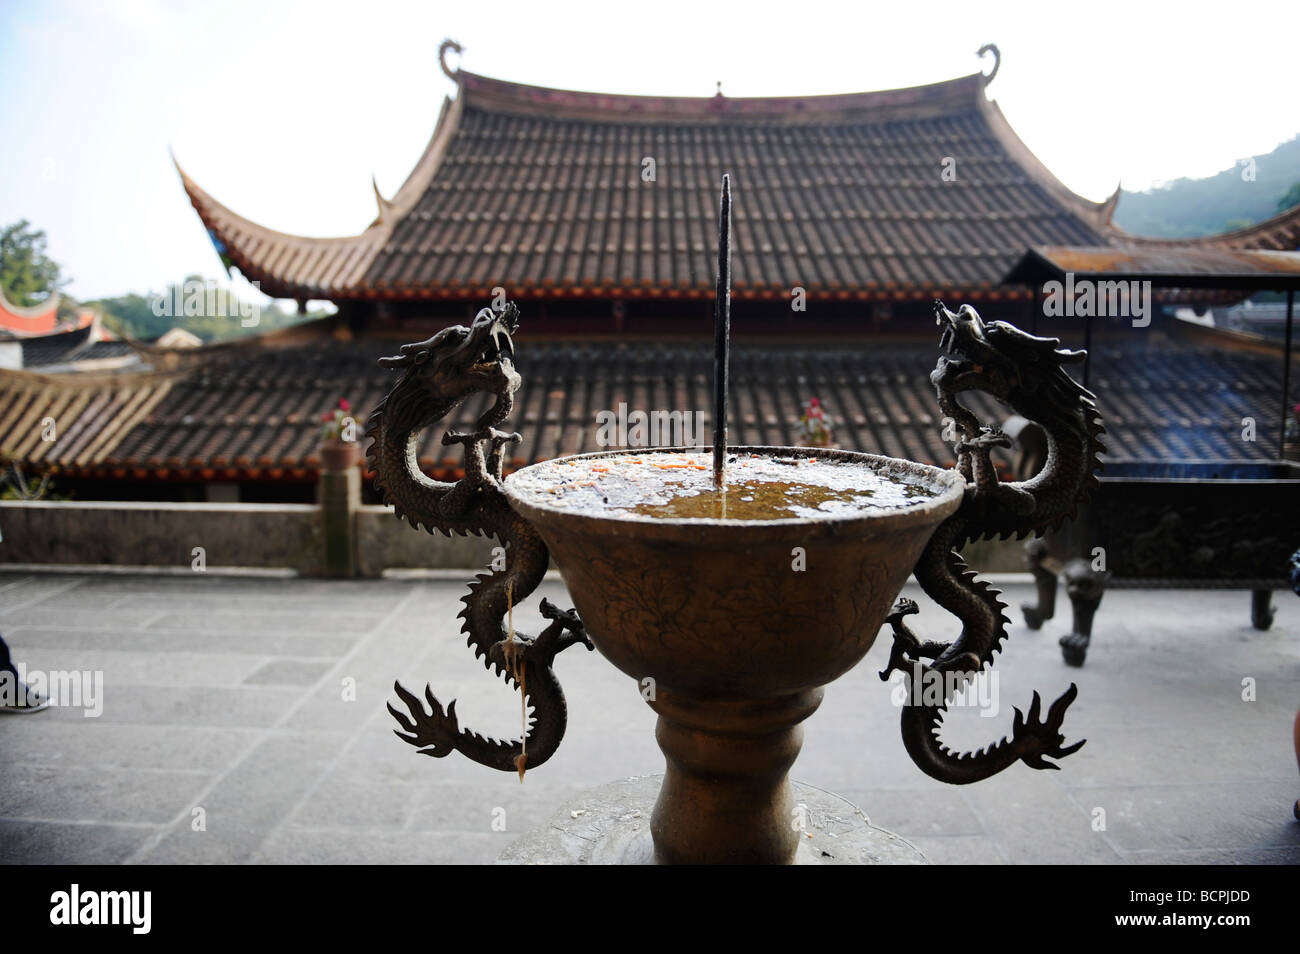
x=737, y=645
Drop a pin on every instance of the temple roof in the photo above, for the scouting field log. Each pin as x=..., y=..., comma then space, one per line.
x=546, y=192
x=80, y=347
x=252, y=410
x=1164, y=265
x=38, y=319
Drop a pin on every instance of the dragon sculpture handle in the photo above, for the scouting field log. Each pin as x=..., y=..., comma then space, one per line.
x=1022, y=370
x=438, y=375
x=1027, y=373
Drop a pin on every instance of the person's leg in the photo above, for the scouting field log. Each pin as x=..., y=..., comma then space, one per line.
x=11, y=690
x=16, y=697
x=1297, y=758
x=6, y=664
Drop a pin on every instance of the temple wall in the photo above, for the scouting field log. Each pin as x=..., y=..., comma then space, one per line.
x=301, y=539
x=385, y=543
x=161, y=535
x=285, y=537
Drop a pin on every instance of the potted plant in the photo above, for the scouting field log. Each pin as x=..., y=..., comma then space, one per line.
x=815, y=426
x=1291, y=436
x=338, y=440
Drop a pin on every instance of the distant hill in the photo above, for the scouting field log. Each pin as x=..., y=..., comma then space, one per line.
x=1190, y=207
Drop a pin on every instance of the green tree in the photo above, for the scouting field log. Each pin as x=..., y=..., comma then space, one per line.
x=131, y=316
x=1290, y=198
x=27, y=274
x=138, y=316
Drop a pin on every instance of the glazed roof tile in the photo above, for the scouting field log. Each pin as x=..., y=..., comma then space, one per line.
x=252, y=409
x=546, y=192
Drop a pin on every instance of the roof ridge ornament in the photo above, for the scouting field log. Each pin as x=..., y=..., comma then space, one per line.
x=452, y=45
x=997, y=60
x=38, y=310
x=1109, y=206
x=385, y=206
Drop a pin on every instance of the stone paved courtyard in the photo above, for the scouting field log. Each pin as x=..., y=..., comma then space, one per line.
x=227, y=694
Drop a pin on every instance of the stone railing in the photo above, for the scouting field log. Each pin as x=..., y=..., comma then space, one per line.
x=134, y=534
x=336, y=537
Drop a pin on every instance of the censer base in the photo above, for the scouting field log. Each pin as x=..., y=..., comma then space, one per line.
x=610, y=825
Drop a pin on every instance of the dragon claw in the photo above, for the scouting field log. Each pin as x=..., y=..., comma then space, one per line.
x=490, y=434
x=988, y=437
x=898, y=658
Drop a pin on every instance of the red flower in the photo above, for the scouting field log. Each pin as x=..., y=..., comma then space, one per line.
x=344, y=405
x=327, y=416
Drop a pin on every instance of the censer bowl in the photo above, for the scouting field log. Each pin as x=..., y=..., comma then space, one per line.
x=732, y=628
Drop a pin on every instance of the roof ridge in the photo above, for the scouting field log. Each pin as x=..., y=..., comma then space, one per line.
x=496, y=95
x=552, y=193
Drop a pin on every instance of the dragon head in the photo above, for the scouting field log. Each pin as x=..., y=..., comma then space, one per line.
x=458, y=361
x=1021, y=370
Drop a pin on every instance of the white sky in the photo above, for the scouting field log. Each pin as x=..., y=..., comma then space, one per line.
x=282, y=110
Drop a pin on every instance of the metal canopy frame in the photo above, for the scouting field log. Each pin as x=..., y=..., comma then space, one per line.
x=1171, y=267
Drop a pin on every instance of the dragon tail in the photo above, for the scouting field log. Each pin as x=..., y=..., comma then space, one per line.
x=985, y=630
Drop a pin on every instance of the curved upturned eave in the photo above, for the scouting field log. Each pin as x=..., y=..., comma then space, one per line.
x=410, y=191
x=284, y=265
x=1095, y=214
x=303, y=267
x=29, y=320
x=1279, y=233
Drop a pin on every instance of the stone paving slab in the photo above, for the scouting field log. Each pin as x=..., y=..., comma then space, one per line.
x=66, y=843
x=158, y=641
x=262, y=702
